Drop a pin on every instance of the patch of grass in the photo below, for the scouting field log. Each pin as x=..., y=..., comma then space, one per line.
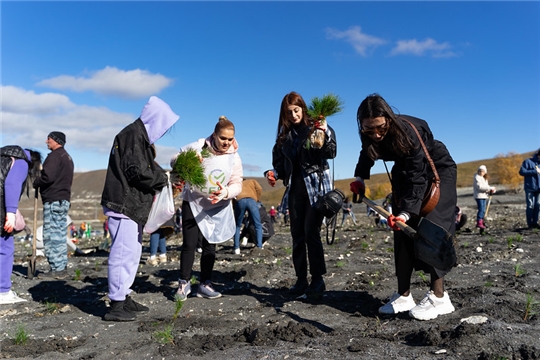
x=77, y=275
x=340, y=264
x=21, y=335
x=519, y=271
x=422, y=276
x=288, y=250
x=510, y=242
x=488, y=284
x=465, y=244
x=390, y=249
x=50, y=307
x=365, y=246
x=165, y=336
x=96, y=266
x=531, y=307
x=491, y=240
x=278, y=262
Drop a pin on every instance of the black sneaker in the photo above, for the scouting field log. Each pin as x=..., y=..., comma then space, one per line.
x=299, y=288
x=118, y=311
x=135, y=306
x=316, y=288
x=54, y=275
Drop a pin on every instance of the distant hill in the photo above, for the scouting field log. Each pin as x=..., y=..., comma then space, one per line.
x=87, y=188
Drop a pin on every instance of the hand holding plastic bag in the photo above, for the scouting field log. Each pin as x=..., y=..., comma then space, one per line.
x=162, y=208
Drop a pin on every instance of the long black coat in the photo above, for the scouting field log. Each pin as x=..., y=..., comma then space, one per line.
x=411, y=174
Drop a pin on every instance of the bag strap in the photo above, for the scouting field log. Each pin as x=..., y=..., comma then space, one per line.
x=333, y=220
x=435, y=173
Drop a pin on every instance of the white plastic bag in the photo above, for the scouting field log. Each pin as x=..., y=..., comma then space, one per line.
x=162, y=208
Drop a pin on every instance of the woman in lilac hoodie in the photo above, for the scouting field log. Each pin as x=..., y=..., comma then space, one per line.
x=132, y=179
x=18, y=169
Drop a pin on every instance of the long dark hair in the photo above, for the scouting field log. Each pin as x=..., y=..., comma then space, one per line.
x=284, y=124
x=375, y=106
x=34, y=169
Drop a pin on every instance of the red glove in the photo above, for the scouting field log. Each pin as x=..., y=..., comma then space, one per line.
x=320, y=124
x=9, y=223
x=392, y=221
x=271, y=178
x=358, y=187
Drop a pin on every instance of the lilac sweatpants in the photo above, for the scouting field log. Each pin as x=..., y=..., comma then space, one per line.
x=7, y=249
x=124, y=257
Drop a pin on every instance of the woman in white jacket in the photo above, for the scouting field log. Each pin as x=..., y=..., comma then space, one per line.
x=481, y=191
x=207, y=211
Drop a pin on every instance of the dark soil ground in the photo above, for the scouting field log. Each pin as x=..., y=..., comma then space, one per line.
x=495, y=289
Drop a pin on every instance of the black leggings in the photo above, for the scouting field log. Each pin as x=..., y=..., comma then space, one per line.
x=192, y=235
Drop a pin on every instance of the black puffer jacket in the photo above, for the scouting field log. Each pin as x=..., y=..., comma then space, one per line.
x=133, y=176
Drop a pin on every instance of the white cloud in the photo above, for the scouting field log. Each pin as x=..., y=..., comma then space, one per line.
x=27, y=118
x=20, y=101
x=112, y=81
x=421, y=48
x=360, y=41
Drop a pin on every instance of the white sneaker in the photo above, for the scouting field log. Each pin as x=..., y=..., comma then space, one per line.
x=244, y=241
x=237, y=251
x=152, y=260
x=397, y=303
x=431, y=306
x=162, y=258
x=10, y=298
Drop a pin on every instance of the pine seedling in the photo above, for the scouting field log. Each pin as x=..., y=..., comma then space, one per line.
x=319, y=110
x=531, y=307
x=188, y=167
x=518, y=270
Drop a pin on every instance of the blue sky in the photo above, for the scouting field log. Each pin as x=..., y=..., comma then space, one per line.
x=471, y=69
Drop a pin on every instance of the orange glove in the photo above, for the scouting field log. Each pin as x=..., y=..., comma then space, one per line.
x=392, y=221
x=270, y=177
x=220, y=194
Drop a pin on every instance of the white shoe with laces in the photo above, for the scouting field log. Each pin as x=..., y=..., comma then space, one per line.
x=431, y=306
x=10, y=298
x=397, y=303
x=237, y=251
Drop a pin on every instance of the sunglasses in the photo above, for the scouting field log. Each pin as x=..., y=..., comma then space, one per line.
x=380, y=130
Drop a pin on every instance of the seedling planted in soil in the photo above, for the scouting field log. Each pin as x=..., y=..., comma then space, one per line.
x=519, y=270
x=21, y=335
x=531, y=307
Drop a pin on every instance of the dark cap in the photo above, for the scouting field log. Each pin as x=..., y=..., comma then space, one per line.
x=59, y=137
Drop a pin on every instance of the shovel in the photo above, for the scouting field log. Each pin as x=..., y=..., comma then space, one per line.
x=487, y=207
x=32, y=260
x=432, y=244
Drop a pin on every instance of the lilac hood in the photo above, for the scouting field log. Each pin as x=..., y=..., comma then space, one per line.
x=157, y=118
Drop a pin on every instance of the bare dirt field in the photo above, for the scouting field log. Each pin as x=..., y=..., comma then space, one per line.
x=495, y=289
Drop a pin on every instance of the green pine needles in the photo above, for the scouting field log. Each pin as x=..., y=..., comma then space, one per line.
x=328, y=105
x=189, y=168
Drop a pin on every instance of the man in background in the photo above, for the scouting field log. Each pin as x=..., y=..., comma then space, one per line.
x=55, y=188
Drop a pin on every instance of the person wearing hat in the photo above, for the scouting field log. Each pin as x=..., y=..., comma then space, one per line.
x=530, y=170
x=54, y=185
x=481, y=192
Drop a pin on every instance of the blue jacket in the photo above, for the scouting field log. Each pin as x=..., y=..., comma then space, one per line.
x=531, y=176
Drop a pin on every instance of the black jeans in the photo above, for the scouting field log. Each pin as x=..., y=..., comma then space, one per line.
x=306, y=233
x=192, y=234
